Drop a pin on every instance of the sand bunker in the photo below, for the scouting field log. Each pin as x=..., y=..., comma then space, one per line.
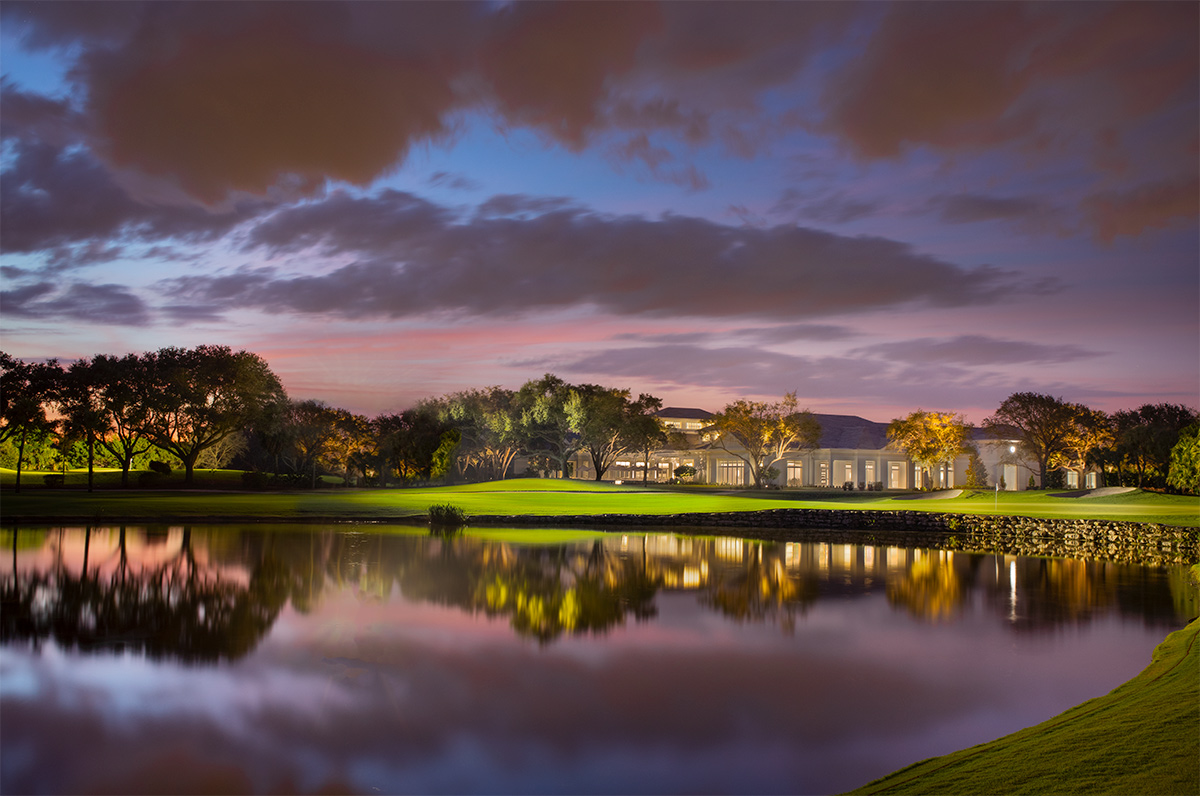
x=1093, y=493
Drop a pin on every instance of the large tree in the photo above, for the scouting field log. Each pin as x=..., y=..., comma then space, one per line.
x=489, y=421
x=80, y=401
x=1042, y=425
x=760, y=433
x=27, y=389
x=204, y=395
x=124, y=396
x=1090, y=434
x=547, y=427
x=605, y=418
x=931, y=438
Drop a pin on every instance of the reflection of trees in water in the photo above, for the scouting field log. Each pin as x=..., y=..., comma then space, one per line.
x=931, y=588
x=177, y=607
x=759, y=588
x=174, y=609
x=1039, y=594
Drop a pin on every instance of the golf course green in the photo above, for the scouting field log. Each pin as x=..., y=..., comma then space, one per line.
x=217, y=494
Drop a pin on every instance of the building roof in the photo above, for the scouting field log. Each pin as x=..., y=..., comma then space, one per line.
x=683, y=413
x=851, y=431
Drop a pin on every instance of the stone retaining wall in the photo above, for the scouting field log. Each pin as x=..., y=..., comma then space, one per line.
x=1106, y=540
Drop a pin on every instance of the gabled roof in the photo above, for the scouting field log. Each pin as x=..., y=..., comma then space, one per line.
x=683, y=413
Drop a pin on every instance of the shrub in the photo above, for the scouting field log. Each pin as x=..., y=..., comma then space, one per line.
x=447, y=515
x=685, y=471
x=54, y=479
x=162, y=468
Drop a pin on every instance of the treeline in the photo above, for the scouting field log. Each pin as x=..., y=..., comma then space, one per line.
x=211, y=407
x=1154, y=446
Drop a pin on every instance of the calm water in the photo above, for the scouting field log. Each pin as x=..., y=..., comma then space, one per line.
x=382, y=660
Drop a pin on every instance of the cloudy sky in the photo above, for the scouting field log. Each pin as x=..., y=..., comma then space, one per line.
x=880, y=206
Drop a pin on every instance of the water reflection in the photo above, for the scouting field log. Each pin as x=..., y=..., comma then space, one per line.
x=384, y=660
x=208, y=594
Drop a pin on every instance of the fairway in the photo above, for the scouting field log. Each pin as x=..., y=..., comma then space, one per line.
x=552, y=497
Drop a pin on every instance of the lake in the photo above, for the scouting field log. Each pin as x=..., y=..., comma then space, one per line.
x=377, y=659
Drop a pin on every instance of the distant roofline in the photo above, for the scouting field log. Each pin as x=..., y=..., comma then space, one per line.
x=684, y=413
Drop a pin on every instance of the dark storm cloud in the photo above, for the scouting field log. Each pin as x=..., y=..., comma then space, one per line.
x=975, y=350
x=52, y=197
x=106, y=304
x=412, y=256
x=33, y=118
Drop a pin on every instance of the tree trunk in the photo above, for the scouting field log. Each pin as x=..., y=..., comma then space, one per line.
x=20, y=458
x=91, y=461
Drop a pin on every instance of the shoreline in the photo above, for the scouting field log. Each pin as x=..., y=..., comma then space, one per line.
x=1104, y=540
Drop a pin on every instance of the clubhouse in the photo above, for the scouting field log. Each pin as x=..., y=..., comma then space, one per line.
x=853, y=451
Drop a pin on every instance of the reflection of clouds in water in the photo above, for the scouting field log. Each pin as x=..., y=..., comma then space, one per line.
x=417, y=695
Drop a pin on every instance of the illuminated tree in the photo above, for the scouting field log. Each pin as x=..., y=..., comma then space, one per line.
x=1185, y=461
x=605, y=418
x=931, y=438
x=547, y=427
x=1090, y=431
x=761, y=433
x=204, y=395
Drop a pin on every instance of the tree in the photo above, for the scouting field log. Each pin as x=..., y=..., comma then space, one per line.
x=26, y=389
x=1185, y=461
x=352, y=439
x=604, y=417
x=644, y=433
x=490, y=424
x=79, y=398
x=1090, y=432
x=1146, y=436
x=1041, y=424
x=204, y=395
x=547, y=427
x=931, y=438
x=764, y=432
x=124, y=396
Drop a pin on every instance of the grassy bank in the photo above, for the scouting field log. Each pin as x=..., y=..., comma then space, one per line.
x=546, y=497
x=1140, y=738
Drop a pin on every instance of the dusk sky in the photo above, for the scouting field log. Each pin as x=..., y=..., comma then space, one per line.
x=879, y=206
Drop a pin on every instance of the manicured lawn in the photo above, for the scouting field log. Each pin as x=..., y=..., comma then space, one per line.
x=549, y=497
x=1143, y=737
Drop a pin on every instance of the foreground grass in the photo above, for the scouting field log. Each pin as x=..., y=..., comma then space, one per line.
x=552, y=497
x=1143, y=737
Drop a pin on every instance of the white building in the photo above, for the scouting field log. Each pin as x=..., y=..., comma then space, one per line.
x=852, y=450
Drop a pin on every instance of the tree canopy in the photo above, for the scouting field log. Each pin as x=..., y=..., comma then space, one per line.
x=764, y=432
x=931, y=438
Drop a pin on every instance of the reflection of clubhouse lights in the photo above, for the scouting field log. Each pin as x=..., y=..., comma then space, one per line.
x=869, y=557
x=691, y=577
x=729, y=549
x=895, y=558
x=1012, y=591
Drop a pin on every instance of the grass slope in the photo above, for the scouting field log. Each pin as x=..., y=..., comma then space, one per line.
x=550, y=497
x=1143, y=737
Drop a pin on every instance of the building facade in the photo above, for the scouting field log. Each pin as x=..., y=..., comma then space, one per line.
x=853, y=453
